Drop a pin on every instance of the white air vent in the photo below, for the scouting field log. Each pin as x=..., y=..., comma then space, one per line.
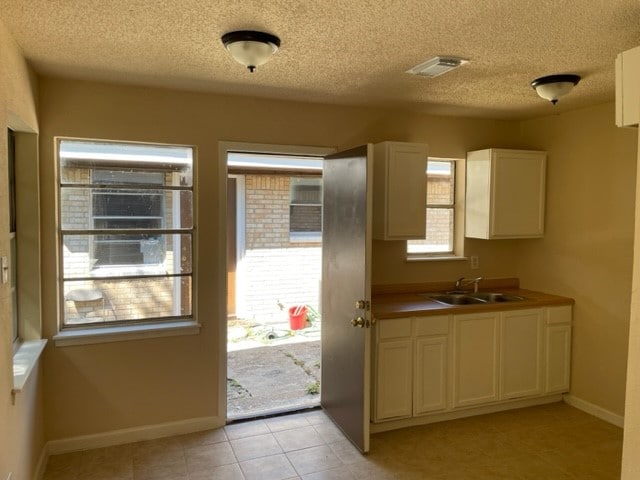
x=437, y=66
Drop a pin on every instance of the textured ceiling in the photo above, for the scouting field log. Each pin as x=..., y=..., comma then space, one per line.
x=351, y=52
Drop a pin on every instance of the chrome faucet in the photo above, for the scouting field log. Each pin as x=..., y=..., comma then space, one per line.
x=462, y=282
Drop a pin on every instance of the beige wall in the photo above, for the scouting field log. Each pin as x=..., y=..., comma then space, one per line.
x=21, y=424
x=630, y=457
x=587, y=250
x=586, y=253
x=97, y=388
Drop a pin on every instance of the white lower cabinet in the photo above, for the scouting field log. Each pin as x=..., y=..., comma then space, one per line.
x=557, y=349
x=411, y=367
x=430, y=365
x=475, y=359
x=521, y=347
x=394, y=385
x=430, y=378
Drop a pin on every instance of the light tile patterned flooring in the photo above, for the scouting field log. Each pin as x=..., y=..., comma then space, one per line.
x=539, y=443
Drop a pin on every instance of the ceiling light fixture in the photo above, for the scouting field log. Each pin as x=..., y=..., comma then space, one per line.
x=552, y=87
x=251, y=48
x=437, y=66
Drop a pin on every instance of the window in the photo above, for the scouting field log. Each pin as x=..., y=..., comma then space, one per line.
x=13, y=253
x=441, y=212
x=117, y=209
x=305, y=209
x=126, y=232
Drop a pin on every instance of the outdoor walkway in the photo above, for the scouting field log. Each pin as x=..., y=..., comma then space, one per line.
x=269, y=376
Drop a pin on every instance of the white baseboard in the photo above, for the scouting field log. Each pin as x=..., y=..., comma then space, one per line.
x=595, y=410
x=42, y=463
x=135, y=434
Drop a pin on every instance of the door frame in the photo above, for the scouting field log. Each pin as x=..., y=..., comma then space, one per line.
x=239, y=235
x=224, y=148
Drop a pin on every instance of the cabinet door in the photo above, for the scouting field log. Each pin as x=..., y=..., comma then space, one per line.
x=394, y=378
x=400, y=191
x=518, y=194
x=430, y=385
x=521, y=353
x=558, y=358
x=628, y=88
x=475, y=366
x=505, y=193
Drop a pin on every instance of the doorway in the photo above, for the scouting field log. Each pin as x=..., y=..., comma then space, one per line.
x=274, y=251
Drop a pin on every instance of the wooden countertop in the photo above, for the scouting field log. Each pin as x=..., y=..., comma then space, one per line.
x=410, y=304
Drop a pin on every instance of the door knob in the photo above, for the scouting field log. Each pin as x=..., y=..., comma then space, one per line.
x=358, y=322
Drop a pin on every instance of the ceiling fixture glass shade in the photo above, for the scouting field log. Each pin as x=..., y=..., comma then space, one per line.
x=552, y=87
x=250, y=48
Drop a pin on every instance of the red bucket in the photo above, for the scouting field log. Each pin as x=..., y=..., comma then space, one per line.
x=298, y=317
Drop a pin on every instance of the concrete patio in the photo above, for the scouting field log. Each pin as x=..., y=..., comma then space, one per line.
x=272, y=369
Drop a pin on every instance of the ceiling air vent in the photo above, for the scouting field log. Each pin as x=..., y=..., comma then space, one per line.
x=437, y=66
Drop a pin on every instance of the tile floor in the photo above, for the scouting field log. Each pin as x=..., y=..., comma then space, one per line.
x=543, y=443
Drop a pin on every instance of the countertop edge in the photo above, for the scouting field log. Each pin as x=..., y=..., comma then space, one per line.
x=386, y=306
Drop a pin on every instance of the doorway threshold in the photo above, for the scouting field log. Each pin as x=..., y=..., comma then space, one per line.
x=273, y=413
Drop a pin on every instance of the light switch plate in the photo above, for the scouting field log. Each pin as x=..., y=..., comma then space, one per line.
x=475, y=262
x=5, y=269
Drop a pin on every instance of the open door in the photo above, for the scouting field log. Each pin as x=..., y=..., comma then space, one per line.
x=346, y=292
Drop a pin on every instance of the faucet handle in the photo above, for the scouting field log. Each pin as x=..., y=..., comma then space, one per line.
x=459, y=282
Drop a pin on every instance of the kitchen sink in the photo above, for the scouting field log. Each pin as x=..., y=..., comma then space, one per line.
x=496, y=297
x=472, y=298
x=455, y=299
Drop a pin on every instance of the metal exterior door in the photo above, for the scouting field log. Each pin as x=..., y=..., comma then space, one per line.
x=346, y=280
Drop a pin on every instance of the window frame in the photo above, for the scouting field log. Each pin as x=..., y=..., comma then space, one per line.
x=13, y=236
x=303, y=236
x=457, y=208
x=76, y=333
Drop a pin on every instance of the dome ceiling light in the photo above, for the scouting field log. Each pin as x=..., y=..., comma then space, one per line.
x=251, y=48
x=552, y=87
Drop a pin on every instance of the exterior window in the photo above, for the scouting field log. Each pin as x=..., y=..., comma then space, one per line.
x=11, y=160
x=126, y=232
x=440, y=211
x=115, y=209
x=305, y=209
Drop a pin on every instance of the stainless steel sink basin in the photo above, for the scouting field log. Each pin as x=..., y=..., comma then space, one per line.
x=472, y=298
x=496, y=297
x=455, y=299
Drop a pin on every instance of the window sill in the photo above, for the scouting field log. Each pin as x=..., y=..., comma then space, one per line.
x=24, y=359
x=121, y=333
x=431, y=258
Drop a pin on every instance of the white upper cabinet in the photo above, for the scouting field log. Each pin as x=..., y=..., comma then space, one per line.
x=505, y=194
x=399, y=191
x=628, y=88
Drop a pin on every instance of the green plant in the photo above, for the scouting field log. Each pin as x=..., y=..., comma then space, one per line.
x=312, y=314
x=313, y=388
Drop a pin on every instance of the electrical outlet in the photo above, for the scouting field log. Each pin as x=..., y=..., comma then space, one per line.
x=475, y=262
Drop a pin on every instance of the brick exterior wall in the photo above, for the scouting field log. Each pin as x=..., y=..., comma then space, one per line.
x=267, y=211
x=290, y=276
x=275, y=269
